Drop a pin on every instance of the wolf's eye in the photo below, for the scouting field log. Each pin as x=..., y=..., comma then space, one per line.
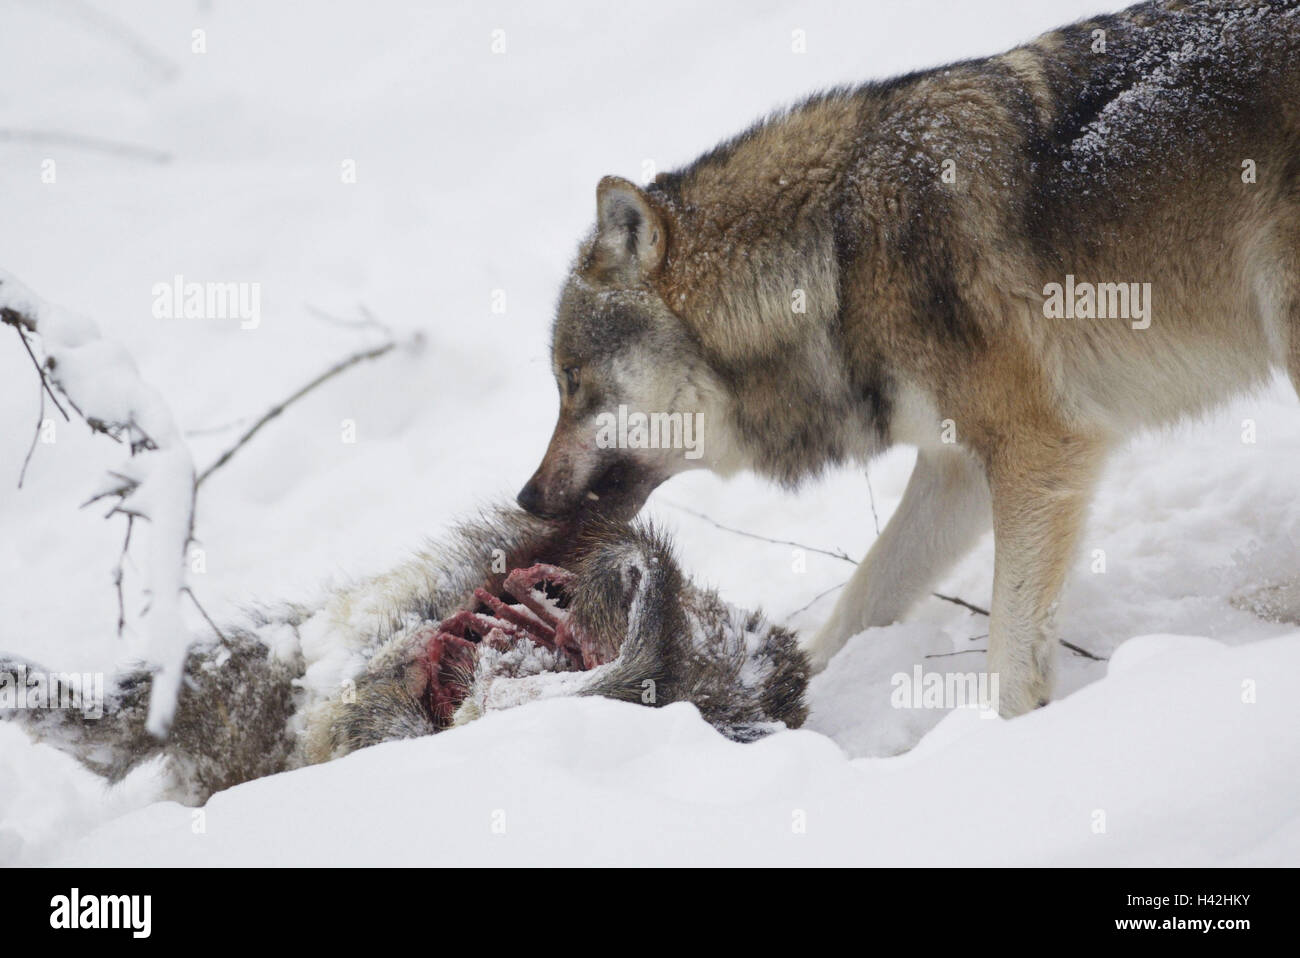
x=571, y=380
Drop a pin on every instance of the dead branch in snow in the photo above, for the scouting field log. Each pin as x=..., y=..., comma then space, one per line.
x=961, y=602
x=366, y=320
x=24, y=325
x=9, y=317
x=119, y=575
x=297, y=394
x=817, y=598
x=871, y=497
x=162, y=490
x=120, y=32
x=93, y=144
x=1079, y=650
x=204, y=612
x=834, y=554
x=78, y=366
x=839, y=554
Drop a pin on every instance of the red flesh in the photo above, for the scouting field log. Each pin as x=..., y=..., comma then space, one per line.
x=450, y=654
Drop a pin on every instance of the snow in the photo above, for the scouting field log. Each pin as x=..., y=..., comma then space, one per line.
x=1096, y=778
x=524, y=673
x=100, y=381
x=476, y=173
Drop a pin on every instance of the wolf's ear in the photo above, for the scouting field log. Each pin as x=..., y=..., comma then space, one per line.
x=630, y=234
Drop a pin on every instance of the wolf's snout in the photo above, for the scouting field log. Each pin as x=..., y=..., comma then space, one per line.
x=532, y=500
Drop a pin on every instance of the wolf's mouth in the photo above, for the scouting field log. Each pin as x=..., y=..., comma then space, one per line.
x=616, y=492
x=532, y=606
x=621, y=489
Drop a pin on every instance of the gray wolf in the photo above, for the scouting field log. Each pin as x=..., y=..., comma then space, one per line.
x=440, y=641
x=889, y=263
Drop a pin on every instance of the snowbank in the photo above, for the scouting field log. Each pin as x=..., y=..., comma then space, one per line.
x=1161, y=762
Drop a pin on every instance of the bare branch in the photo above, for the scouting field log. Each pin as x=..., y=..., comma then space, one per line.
x=119, y=573
x=836, y=554
x=21, y=324
x=367, y=320
x=280, y=407
x=815, y=599
x=1078, y=650
x=11, y=317
x=213, y=430
x=126, y=486
x=203, y=612
x=36, y=435
x=871, y=496
x=961, y=602
x=24, y=324
x=122, y=33
x=89, y=143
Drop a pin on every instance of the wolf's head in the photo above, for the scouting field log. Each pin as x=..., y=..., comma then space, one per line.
x=638, y=401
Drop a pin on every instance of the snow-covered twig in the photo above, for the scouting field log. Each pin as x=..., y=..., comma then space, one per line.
x=98, y=381
x=101, y=384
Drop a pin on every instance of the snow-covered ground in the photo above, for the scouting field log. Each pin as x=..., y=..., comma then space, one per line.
x=475, y=175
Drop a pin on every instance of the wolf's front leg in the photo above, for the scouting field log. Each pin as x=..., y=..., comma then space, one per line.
x=1041, y=489
x=944, y=511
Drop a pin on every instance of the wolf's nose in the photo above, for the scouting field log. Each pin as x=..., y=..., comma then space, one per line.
x=530, y=498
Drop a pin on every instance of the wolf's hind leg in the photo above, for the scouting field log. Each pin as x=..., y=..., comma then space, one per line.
x=944, y=511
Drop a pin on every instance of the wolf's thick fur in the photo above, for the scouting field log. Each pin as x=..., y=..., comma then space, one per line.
x=299, y=685
x=819, y=289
